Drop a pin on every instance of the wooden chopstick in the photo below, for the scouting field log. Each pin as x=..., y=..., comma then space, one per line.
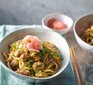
x=77, y=65
x=74, y=67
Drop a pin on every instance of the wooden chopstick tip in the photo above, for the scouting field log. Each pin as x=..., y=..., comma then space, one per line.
x=73, y=54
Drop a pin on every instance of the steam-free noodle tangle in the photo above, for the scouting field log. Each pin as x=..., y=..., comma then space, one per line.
x=88, y=35
x=42, y=62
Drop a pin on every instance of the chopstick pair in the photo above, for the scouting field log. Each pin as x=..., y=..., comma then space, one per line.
x=76, y=67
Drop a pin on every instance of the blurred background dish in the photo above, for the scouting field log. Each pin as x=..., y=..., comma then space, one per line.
x=57, y=22
x=82, y=24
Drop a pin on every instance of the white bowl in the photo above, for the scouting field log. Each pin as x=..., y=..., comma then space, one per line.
x=80, y=25
x=43, y=35
x=67, y=20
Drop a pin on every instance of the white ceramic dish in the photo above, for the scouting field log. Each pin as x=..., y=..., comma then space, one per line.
x=67, y=20
x=43, y=35
x=80, y=25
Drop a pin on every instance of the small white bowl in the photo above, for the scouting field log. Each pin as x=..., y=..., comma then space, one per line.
x=80, y=25
x=67, y=20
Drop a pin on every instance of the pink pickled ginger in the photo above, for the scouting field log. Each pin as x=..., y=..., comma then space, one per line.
x=33, y=43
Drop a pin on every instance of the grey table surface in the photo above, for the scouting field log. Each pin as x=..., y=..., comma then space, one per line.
x=27, y=12
x=80, y=54
x=32, y=11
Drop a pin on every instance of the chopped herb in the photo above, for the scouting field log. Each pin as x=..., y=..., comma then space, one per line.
x=30, y=63
x=32, y=72
x=45, y=49
x=41, y=54
x=47, y=63
x=54, y=54
x=20, y=59
x=15, y=46
x=21, y=49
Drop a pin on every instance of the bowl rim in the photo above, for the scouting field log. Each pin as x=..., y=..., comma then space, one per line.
x=56, y=13
x=46, y=78
x=74, y=27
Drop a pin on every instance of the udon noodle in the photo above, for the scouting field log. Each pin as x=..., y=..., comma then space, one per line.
x=40, y=64
x=87, y=35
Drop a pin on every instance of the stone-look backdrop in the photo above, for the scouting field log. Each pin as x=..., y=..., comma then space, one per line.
x=32, y=11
